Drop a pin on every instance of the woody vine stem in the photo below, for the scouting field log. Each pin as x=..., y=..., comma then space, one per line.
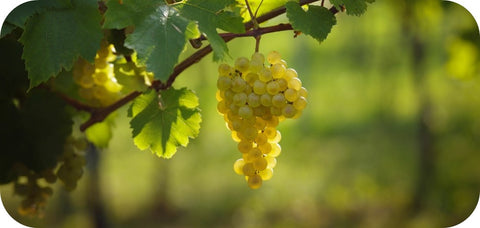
x=98, y=114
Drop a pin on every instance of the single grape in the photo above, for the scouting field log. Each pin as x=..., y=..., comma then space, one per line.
x=260, y=164
x=278, y=100
x=274, y=57
x=266, y=100
x=255, y=181
x=245, y=146
x=242, y=64
x=259, y=87
x=250, y=78
x=266, y=174
x=289, y=111
x=278, y=70
x=238, y=84
x=273, y=87
x=257, y=56
x=300, y=103
x=238, y=166
x=224, y=83
x=290, y=94
x=295, y=84
x=240, y=99
x=248, y=169
x=265, y=75
x=245, y=112
x=224, y=69
x=253, y=100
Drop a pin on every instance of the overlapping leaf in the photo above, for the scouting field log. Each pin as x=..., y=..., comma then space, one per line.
x=159, y=35
x=258, y=6
x=162, y=121
x=316, y=22
x=210, y=15
x=54, y=38
x=353, y=7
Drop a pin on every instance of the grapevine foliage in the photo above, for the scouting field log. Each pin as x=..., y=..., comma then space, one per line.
x=84, y=59
x=162, y=121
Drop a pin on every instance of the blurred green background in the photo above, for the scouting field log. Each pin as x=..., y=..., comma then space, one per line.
x=390, y=137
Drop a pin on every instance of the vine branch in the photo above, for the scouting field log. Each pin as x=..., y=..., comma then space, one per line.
x=99, y=114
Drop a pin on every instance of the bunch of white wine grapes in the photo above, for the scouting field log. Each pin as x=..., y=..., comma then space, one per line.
x=97, y=82
x=254, y=98
x=72, y=163
x=34, y=189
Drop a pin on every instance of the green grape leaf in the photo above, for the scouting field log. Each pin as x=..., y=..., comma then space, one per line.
x=316, y=22
x=353, y=7
x=210, y=15
x=23, y=134
x=162, y=121
x=54, y=38
x=159, y=35
x=23, y=12
x=130, y=76
x=266, y=6
x=7, y=28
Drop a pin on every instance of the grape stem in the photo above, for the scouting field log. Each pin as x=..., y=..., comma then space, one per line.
x=99, y=114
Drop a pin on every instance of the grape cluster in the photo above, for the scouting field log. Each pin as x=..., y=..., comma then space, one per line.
x=97, y=82
x=71, y=169
x=34, y=189
x=254, y=98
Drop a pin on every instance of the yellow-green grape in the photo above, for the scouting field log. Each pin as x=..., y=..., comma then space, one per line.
x=240, y=99
x=224, y=83
x=265, y=148
x=290, y=94
x=99, y=77
x=270, y=132
x=248, y=169
x=278, y=100
x=273, y=88
x=300, y=103
x=303, y=92
x=265, y=75
x=274, y=57
x=276, y=150
x=250, y=78
x=224, y=69
x=261, y=139
x=253, y=99
x=245, y=112
x=259, y=87
x=242, y=64
x=266, y=174
x=34, y=193
x=295, y=83
x=266, y=100
x=290, y=73
x=272, y=162
x=276, y=139
x=257, y=56
x=278, y=70
x=260, y=163
x=245, y=146
x=238, y=84
x=255, y=181
x=282, y=84
x=289, y=111
x=71, y=169
x=256, y=65
x=221, y=107
x=238, y=166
